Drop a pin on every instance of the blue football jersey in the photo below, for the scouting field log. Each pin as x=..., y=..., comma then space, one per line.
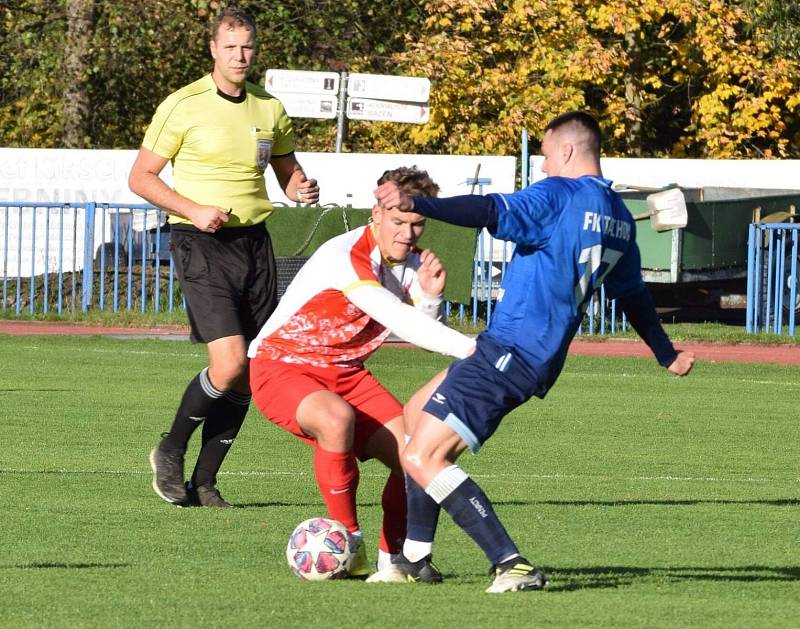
x=570, y=235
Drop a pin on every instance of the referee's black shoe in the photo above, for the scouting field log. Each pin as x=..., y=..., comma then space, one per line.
x=206, y=496
x=401, y=570
x=167, y=468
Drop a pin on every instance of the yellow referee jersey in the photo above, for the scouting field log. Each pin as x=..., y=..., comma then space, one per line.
x=220, y=148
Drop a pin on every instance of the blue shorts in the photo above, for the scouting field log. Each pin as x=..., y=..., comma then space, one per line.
x=480, y=390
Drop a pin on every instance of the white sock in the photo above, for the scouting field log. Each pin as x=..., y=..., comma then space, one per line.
x=384, y=559
x=414, y=550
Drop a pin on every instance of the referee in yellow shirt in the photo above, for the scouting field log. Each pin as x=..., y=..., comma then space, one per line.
x=220, y=133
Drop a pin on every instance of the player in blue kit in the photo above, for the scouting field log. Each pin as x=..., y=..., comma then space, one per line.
x=573, y=232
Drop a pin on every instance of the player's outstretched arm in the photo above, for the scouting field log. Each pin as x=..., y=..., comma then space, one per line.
x=467, y=210
x=390, y=196
x=409, y=323
x=642, y=315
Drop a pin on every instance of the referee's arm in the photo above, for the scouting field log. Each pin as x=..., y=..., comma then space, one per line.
x=293, y=181
x=145, y=181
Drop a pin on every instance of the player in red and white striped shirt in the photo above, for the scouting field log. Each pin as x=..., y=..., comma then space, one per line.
x=307, y=370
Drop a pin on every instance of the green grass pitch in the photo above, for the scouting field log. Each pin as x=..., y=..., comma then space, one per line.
x=649, y=501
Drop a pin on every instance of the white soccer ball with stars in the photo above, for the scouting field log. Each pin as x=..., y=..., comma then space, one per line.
x=319, y=549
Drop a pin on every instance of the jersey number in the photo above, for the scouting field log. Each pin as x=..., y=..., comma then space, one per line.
x=594, y=257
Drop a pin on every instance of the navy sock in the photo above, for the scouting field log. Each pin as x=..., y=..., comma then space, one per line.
x=196, y=403
x=469, y=507
x=423, y=513
x=219, y=431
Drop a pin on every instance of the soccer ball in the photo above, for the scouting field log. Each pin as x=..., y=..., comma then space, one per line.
x=319, y=549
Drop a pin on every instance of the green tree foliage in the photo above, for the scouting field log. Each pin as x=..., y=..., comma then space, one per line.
x=779, y=22
x=665, y=77
x=140, y=51
x=696, y=78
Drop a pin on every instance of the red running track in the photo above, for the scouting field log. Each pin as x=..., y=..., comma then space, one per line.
x=742, y=352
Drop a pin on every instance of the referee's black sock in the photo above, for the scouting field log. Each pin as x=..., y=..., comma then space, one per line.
x=219, y=432
x=195, y=406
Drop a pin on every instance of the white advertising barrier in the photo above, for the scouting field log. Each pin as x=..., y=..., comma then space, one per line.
x=80, y=176
x=764, y=174
x=66, y=175
x=349, y=179
x=345, y=179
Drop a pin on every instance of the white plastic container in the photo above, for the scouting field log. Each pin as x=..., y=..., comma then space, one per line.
x=667, y=210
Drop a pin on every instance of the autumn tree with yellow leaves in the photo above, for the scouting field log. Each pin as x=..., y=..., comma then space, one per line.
x=681, y=78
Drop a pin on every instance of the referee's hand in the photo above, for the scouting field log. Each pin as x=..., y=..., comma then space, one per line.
x=307, y=190
x=209, y=218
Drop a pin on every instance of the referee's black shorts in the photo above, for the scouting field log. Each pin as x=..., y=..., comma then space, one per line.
x=228, y=279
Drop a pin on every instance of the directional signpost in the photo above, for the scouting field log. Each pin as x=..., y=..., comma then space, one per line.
x=302, y=82
x=381, y=97
x=387, y=110
x=389, y=87
x=304, y=94
x=308, y=105
x=388, y=98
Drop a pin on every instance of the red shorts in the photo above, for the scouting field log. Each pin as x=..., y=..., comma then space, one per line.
x=278, y=388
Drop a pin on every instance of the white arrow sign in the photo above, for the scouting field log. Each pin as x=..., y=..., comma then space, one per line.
x=388, y=87
x=387, y=110
x=308, y=105
x=301, y=82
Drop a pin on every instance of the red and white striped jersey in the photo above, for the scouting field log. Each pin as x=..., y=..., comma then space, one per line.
x=344, y=302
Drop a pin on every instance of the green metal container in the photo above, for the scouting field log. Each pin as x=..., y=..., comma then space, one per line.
x=713, y=245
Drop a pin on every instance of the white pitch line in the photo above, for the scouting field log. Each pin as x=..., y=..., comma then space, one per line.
x=124, y=351
x=658, y=376
x=504, y=477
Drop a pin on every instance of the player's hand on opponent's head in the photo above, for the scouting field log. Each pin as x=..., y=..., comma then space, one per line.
x=682, y=364
x=389, y=196
x=307, y=190
x=209, y=218
x=432, y=274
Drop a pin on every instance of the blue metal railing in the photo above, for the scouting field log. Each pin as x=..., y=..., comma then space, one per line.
x=81, y=256
x=772, y=276
x=70, y=256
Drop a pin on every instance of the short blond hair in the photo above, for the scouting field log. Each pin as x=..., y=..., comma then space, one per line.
x=412, y=181
x=233, y=17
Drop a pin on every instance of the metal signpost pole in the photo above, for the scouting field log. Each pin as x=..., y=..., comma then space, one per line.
x=340, y=118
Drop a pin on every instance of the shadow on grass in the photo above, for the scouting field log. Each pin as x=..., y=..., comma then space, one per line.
x=571, y=579
x=297, y=503
x=35, y=390
x=778, y=502
x=67, y=566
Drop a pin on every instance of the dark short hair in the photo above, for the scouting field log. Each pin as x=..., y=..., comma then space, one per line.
x=579, y=121
x=412, y=181
x=233, y=17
